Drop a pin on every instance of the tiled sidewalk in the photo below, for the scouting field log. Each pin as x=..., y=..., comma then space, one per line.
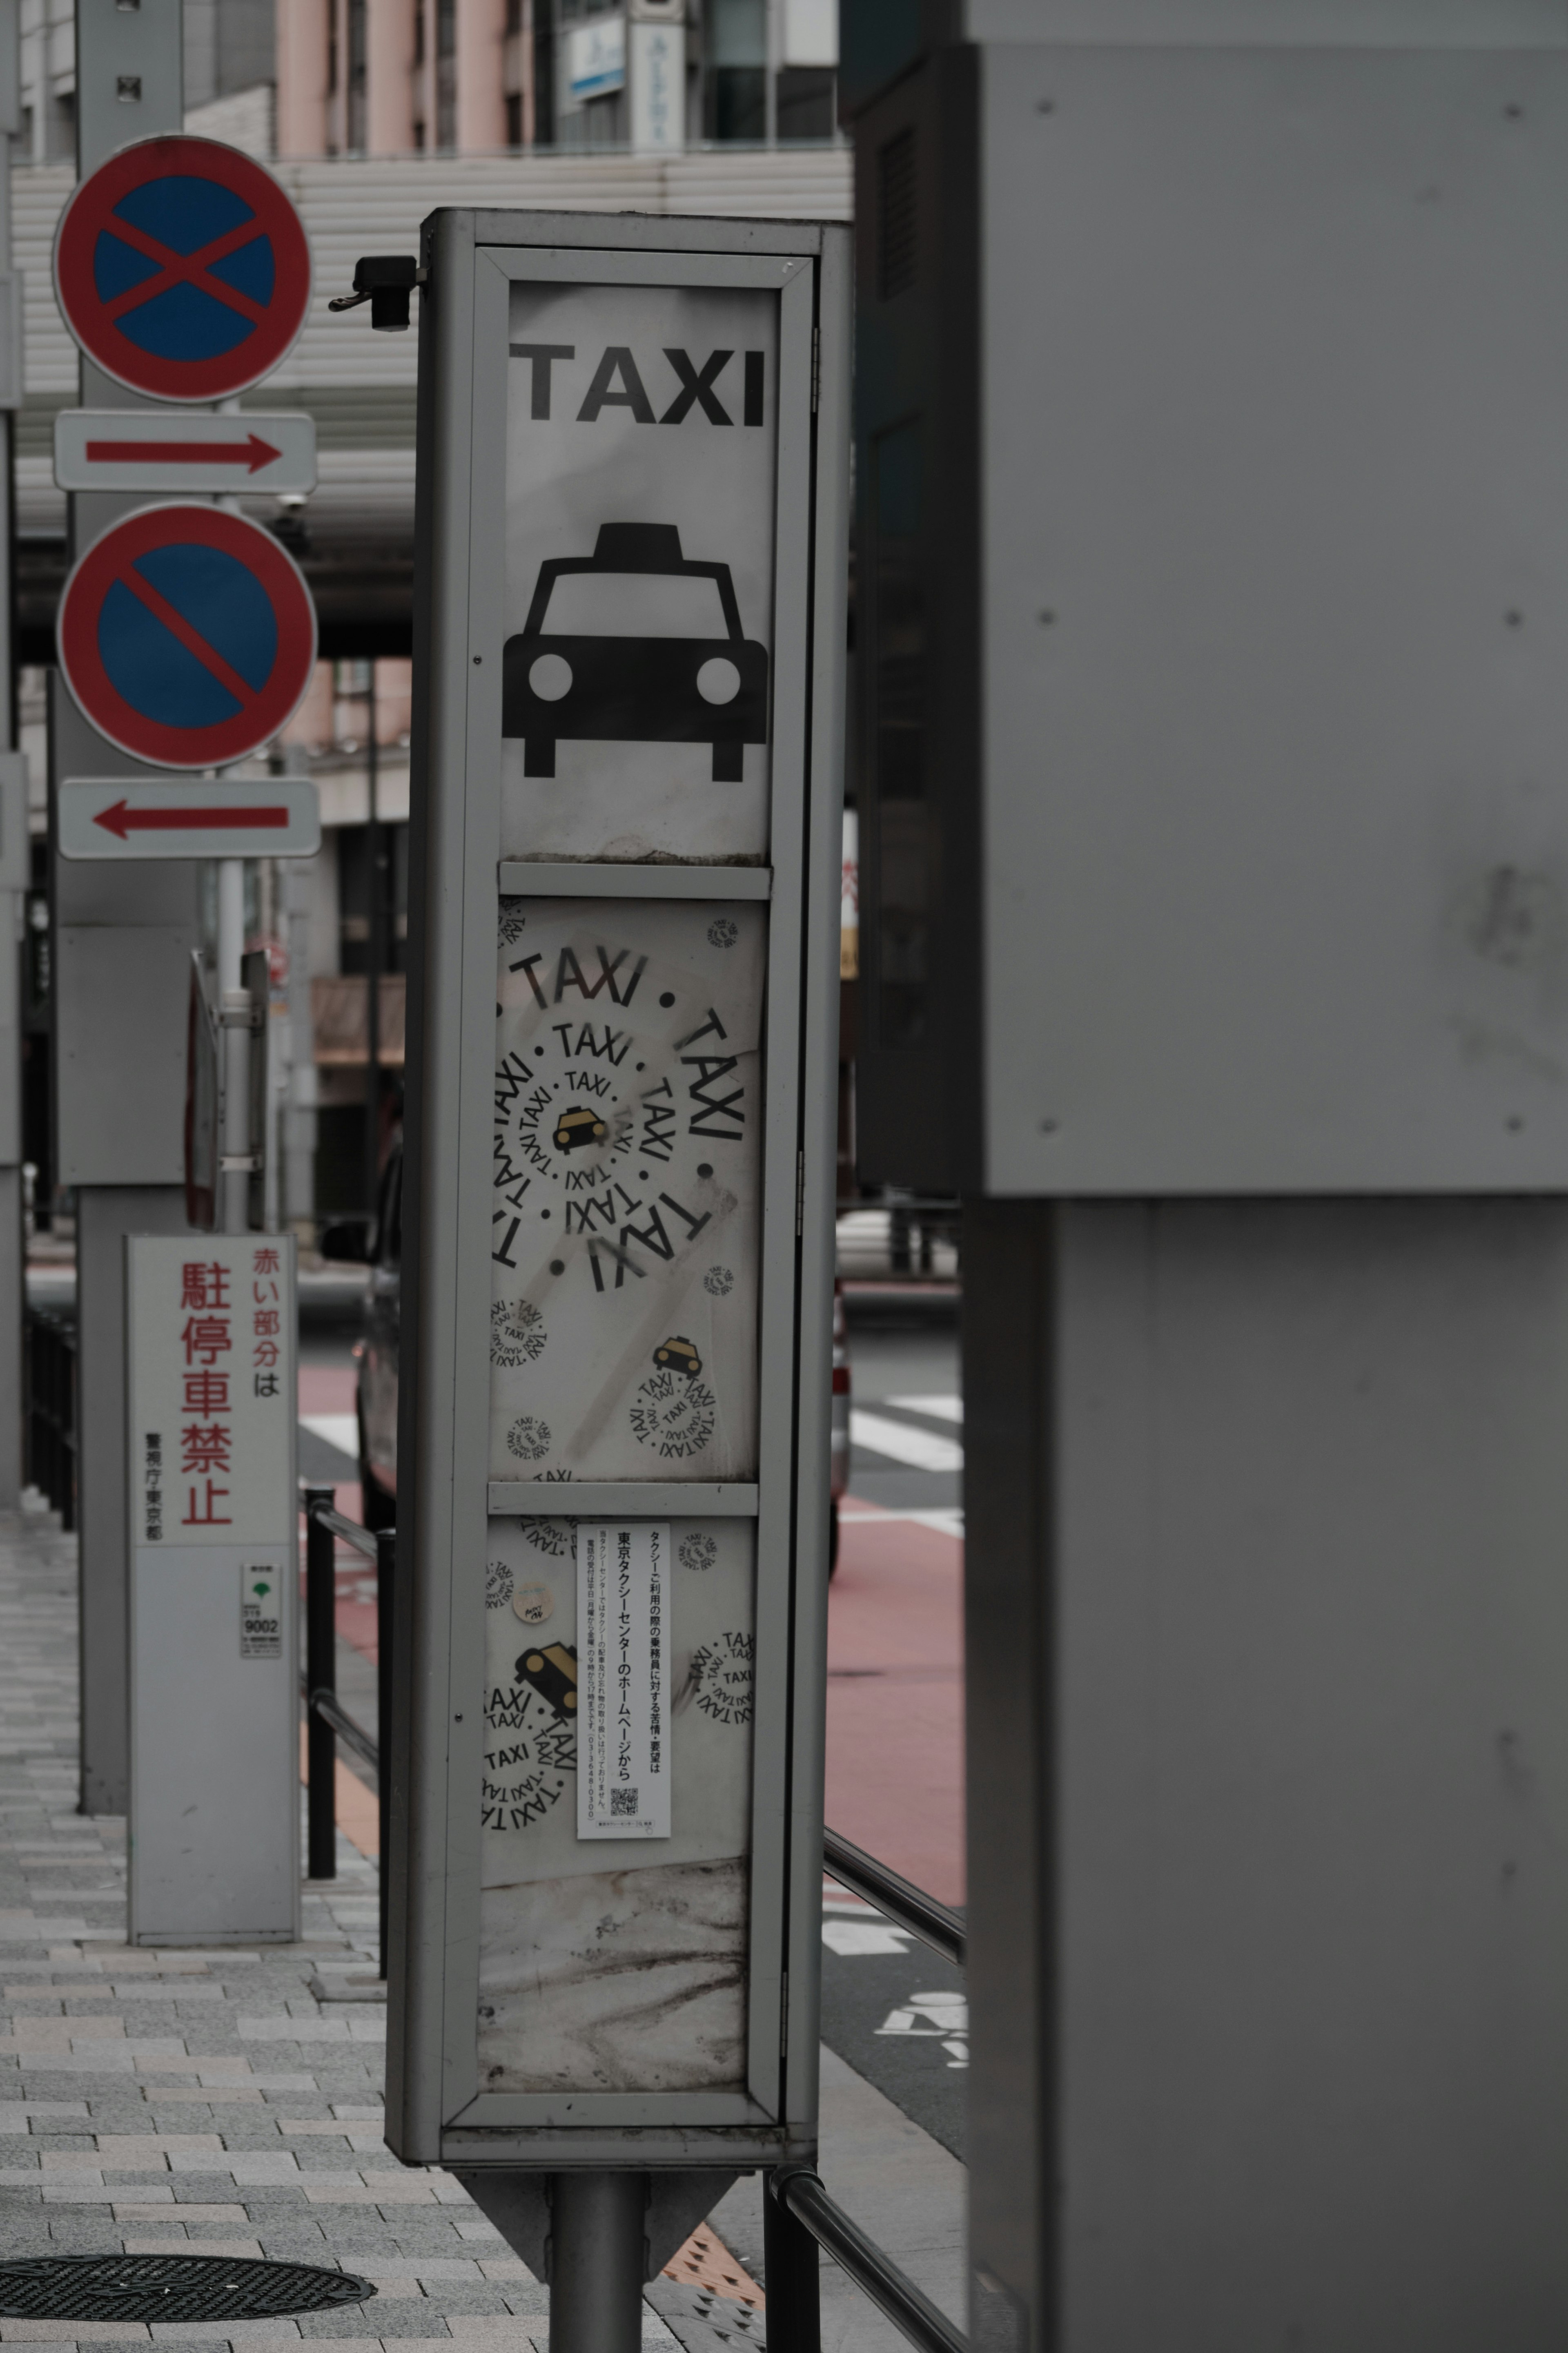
x=153, y=2099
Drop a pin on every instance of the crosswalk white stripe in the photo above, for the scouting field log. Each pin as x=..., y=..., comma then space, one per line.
x=339, y=1429
x=940, y=1408
x=922, y=1450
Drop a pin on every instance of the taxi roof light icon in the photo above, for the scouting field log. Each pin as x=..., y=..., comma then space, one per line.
x=582, y=686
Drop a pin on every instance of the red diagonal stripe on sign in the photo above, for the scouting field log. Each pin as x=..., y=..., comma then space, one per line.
x=183, y=268
x=176, y=624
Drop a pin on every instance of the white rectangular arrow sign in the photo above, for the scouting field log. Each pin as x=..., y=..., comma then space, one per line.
x=171, y=449
x=105, y=817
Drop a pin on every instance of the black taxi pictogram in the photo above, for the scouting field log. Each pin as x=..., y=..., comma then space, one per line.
x=579, y=685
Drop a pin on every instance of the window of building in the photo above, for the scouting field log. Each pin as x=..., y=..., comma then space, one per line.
x=736, y=108
x=805, y=99
x=445, y=73
x=357, y=127
x=514, y=117
x=544, y=75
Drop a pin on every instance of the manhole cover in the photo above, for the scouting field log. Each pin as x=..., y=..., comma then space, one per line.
x=169, y=2288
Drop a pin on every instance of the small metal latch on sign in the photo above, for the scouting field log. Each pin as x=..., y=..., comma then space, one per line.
x=386, y=281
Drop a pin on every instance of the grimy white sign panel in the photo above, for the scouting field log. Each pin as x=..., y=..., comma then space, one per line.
x=214, y=1751
x=621, y=1114
x=628, y=1117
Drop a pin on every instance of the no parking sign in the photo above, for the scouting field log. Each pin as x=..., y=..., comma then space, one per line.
x=183, y=269
x=186, y=636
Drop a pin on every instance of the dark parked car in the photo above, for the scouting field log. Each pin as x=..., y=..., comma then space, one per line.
x=602, y=684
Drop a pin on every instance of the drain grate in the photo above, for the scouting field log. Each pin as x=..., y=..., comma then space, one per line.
x=169, y=2288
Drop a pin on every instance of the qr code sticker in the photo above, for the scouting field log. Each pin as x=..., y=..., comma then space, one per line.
x=624, y=1801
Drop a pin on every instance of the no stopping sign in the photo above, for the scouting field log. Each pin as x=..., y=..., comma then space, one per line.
x=183, y=269
x=186, y=636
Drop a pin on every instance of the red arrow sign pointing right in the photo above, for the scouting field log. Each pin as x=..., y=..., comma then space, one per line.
x=251, y=453
x=123, y=820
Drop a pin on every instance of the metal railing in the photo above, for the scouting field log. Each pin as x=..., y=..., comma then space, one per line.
x=795, y=2323
x=907, y=1906
x=326, y=1721
x=799, y=2215
x=51, y=1353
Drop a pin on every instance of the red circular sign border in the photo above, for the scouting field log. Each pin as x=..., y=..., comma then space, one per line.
x=81, y=601
x=87, y=213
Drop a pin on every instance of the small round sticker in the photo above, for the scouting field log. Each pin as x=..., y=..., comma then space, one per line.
x=533, y=1604
x=528, y=1439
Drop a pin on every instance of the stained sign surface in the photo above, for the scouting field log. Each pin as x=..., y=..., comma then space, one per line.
x=627, y=1134
x=607, y=1964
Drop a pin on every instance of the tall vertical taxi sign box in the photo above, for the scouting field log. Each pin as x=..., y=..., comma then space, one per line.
x=215, y=1749
x=608, y=1801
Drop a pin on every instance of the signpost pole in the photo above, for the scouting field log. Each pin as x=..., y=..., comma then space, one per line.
x=238, y=1141
x=123, y=944
x=374, y=951
x=597, y=2237
x=139, y=927
x=14, y=856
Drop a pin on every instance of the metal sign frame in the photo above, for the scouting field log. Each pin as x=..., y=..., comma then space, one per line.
x=435, y=2109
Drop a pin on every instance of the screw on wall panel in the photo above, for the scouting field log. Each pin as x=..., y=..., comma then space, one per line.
x=1047, y=618
x=1047, y=1127
x=1044, y=106
x=128, y=88
x=1513, y=619
x=478, y=659
x=1513, y=112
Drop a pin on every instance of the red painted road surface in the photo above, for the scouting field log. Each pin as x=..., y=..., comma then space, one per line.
x=895, y=1669
x=894, y=1698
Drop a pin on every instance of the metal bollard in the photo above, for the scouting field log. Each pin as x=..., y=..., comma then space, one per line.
x=386, y=1568
x=320, y=1674
x=792, y=2277
x=598, y=2243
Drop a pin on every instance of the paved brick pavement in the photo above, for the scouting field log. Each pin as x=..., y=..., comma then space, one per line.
x=154, y=2099
x=151, y=2099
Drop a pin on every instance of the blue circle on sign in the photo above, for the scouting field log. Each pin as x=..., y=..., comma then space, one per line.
x=145, y=654
x=185, y=215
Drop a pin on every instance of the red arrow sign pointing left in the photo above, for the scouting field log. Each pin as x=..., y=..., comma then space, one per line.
x=122, y=819
x=251, y=453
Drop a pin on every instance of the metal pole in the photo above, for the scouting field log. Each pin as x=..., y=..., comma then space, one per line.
x=386, y=1564
x=598, y=2244
x=320, y=1674
x=128, y=72
x=374, y=957
x=233, y=1183
x=793, y=2276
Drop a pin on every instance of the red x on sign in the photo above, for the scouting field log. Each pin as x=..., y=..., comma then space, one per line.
x=183, y=269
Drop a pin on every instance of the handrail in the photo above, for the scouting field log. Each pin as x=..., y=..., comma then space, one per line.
x=908, y=1907
x=363, y=1539
x=326, y=1704
x=326, y=1721
x=910, y=2309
